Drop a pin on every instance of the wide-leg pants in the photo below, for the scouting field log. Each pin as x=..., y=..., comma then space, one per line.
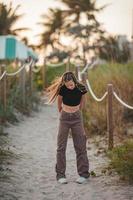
x=73, y=121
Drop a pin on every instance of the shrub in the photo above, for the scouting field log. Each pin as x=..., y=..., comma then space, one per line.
x=38, y=82
x=122, y=160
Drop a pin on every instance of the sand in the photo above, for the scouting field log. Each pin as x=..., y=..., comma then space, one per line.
x=33, y=174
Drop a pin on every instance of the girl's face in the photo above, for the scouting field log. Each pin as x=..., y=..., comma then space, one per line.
x=70, y=85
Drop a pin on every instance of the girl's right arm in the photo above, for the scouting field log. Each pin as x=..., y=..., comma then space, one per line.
x=59, y=103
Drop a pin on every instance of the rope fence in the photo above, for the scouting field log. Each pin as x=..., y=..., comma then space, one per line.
x=17, y=72
x=92, y=93
x=22, y=81
x=14, y=73
x=2, y=76
x=121, y=101
x=109, y=93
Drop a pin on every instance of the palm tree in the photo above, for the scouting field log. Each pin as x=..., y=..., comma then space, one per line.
x=110, y=50
x=25, y=41
x=68, y=22
x=76, y=10
x=8, y=18
x=52, y=25
x=79, y=7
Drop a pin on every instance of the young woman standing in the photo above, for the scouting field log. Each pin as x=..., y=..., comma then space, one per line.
x=70, y=95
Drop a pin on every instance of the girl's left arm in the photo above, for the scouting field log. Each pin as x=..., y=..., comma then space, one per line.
x=82, y=102
x=59, y=101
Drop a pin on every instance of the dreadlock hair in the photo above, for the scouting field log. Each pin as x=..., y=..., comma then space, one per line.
x=53, y=90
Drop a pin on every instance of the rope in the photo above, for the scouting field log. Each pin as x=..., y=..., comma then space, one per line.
x=4, y=73
x=122, y=102
x=92, y=93
x=79, y=76
x=55, y=65
x=14, y=73
x=36, y=70
x=89, y=65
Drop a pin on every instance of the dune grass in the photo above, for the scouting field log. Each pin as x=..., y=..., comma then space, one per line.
x=121, y=76
x=122, y=160
x=54, y=72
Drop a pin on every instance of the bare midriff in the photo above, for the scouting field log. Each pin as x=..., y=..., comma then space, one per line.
x=70, y=109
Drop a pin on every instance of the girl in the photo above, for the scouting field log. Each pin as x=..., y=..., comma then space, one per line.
x=71, y=95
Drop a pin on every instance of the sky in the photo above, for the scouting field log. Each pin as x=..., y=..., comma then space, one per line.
x=117, y=17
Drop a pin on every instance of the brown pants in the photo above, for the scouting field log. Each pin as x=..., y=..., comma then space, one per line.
x=73, y=121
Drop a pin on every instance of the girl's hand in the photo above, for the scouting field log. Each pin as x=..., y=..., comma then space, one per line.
x=82, y=102
x=60, y=109
x=59, y=103
x=80, y=107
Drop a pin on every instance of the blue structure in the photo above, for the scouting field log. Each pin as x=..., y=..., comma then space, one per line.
x=11, y=48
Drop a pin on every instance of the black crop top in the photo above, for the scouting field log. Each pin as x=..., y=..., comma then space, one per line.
x=71, y=97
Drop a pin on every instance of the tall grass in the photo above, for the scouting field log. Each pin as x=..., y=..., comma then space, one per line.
x=54, y=72
x=121, y=76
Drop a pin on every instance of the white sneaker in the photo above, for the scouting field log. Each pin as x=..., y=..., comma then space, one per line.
x=81, y=180
x=62, y=180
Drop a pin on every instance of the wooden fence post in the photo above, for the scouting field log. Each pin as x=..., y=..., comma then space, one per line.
x=0, y=82
x=31, y=79
x=3, y=88
x=44, y=68
x=22, y=85
x=110, y=116
x=1, y=127
x=84, y=77
x=76, y=71
x=68, y=64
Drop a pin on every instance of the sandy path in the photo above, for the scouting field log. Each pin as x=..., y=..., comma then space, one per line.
x=34, y=174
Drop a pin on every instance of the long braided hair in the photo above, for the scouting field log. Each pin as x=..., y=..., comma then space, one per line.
x=53, y=90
